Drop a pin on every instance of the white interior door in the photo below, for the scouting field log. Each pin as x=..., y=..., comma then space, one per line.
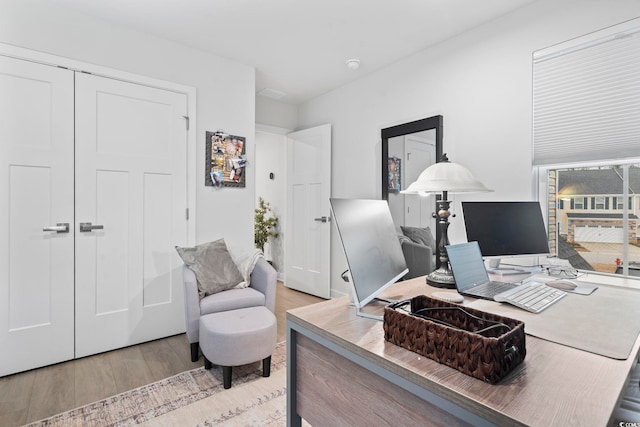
x=307, y=225
x=131, y=185
x=419, y=154
x=36, y=191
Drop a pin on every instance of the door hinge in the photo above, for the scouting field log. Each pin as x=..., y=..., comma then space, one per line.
x=187, y=214
x=186, y=119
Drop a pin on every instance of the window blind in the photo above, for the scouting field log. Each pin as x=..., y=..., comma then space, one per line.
x=586, y=101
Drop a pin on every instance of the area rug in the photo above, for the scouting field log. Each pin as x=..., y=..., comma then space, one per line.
x=193, y=398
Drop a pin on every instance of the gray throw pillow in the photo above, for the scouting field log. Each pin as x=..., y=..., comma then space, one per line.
x=213, y=266
x=402, y=238
x=422, y=236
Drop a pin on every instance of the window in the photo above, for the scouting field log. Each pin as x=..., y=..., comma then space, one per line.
x=592, y=233
x=585, y=147
x=618, y=203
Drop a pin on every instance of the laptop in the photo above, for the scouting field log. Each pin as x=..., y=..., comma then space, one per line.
x=470, y=273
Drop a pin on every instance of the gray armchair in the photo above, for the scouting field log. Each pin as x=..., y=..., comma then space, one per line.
x=418, y=247
x=419, y=258
x=261, y=291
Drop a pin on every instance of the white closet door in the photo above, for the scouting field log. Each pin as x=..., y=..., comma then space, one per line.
x=36, y=191
x=131, y=182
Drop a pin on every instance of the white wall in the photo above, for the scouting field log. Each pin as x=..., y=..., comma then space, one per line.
x=271, y=152
x=274, y=113
x=481, y=82
x=225, y=92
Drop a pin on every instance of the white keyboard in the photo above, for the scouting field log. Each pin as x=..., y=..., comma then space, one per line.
x=533, y=296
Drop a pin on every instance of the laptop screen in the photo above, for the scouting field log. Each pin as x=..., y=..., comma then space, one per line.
x=467, y=265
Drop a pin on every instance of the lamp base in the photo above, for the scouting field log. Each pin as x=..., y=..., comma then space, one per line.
x=441, y=278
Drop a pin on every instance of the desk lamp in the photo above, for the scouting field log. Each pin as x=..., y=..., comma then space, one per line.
x=444, y=177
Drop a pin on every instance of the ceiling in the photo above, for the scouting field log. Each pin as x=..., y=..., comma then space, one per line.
x=300, y=47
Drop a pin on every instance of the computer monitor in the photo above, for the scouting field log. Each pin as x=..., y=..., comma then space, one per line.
x=506, y=229
x=371, y=247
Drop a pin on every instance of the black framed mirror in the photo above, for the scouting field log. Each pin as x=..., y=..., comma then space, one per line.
x=407, y=150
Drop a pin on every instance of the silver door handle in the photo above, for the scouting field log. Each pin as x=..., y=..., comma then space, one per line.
x=61, y=227
x=322, y=219
x=87, y=226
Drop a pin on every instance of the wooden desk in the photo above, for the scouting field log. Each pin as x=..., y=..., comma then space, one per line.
x=341, y=371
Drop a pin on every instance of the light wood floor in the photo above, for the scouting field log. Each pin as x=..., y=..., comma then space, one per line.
x=40, y=393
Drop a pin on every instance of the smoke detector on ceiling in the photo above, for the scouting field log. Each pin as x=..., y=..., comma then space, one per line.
x=272, y=93
x=353, y=64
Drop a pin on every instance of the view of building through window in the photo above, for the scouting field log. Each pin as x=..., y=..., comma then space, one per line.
x=589, y=222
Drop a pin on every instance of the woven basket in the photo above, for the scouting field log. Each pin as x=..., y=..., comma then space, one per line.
x=489, y=356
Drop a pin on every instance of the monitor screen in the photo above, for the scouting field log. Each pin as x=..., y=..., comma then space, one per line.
x=506, y=229
x=371, y=246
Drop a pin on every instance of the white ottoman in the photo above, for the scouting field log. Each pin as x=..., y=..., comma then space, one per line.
x=238, y=337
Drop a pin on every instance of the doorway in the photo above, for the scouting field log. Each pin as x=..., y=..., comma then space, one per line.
x=294, y=258
x=271, y=178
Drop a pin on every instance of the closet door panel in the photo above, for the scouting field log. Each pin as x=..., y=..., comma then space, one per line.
x=36, y=192
x=131, y=181
x=111, y=254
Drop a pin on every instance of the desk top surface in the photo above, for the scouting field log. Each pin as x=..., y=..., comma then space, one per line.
x=555, y=385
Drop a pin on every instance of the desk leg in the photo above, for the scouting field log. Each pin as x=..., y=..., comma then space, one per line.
x=293, y=419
